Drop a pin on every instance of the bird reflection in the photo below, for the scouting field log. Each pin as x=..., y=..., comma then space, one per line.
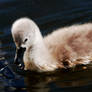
x=67, y=79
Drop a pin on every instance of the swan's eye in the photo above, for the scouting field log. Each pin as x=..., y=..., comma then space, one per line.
x=25, y=40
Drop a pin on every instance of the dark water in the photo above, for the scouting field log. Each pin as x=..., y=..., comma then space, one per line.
x=49, y=15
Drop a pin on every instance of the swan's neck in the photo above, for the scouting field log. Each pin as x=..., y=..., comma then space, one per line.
x=40, y=55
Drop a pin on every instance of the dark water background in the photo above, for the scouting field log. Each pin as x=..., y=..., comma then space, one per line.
x=49, y=15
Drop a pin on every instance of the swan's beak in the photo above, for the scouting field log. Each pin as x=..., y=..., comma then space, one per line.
x=19, y=57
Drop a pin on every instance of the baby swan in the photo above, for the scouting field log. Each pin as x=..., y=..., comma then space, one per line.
x=63, y=48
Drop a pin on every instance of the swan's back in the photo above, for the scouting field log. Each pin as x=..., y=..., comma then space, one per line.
x=70, y=42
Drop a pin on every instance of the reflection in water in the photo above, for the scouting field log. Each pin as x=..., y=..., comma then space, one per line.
x=60, y=80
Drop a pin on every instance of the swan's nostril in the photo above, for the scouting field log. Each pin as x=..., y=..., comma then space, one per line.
x=25, y=40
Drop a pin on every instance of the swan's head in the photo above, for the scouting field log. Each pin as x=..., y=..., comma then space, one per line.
x=23, y=32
